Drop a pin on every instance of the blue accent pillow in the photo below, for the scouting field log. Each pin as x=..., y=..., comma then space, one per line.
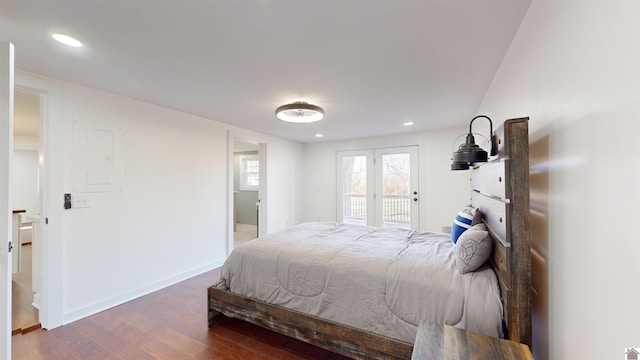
x=462, y=222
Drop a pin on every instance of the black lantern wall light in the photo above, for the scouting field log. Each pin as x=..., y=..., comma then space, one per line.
x=469, y=153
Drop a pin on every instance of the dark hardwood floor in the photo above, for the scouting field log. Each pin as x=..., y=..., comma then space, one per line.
x=167, y=324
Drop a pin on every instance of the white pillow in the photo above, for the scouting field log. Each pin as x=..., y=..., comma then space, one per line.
x=473, y=248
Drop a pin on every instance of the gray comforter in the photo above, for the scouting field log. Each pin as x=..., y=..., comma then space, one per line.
x=381, y=280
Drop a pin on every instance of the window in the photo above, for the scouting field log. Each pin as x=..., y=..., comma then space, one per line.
x=250, y=172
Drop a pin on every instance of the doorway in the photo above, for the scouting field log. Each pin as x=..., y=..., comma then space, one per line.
x=379, y=187
x=246, y=191
x=26, y=203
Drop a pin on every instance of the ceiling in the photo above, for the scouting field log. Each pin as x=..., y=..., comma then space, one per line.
x=372, y=65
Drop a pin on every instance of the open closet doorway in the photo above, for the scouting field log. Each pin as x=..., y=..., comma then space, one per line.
x=246, y=191
x=26, y=207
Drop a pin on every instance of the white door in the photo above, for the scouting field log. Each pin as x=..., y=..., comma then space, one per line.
x=6, y=211
x=379, y=187
x=356, y=185
x=396, y=193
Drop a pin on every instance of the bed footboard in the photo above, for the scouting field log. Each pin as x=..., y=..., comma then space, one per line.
x=214, y=317
x=341, y=339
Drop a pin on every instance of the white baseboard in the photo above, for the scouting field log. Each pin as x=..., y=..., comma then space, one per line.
x=83, y=312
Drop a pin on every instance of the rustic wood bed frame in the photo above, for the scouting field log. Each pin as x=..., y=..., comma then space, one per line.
x=500, y=189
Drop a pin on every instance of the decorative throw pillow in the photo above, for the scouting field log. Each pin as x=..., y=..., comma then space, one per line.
x=462, y=222
x=477, y=218
x=473, y=248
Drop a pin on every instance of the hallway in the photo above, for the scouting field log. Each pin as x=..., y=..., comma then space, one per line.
x=24, y=314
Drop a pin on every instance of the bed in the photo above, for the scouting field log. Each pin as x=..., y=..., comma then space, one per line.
x=353, y=308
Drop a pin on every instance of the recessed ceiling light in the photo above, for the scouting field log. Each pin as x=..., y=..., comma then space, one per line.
x=319, y=135
x=67, y=40
x=408, y=123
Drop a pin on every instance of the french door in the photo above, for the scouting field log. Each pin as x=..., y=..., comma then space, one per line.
x=379, y=187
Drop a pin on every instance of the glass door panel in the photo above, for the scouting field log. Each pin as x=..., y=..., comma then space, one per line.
x=395, y=190
x=354, y=189
x=397, y=175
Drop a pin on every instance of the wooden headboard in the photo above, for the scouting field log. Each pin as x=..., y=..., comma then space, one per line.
x=500, y=189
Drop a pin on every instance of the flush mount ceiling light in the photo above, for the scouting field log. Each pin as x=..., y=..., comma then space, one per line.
x=67, y=40
x=299, y=112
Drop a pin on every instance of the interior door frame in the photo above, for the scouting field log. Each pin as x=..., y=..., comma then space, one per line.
x=232, y=137
x=51, y=310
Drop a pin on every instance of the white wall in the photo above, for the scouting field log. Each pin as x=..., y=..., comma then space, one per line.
x=169, y=220
x=24, y=177
x=443, y=192
x=284, y=186
x=574, y=69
